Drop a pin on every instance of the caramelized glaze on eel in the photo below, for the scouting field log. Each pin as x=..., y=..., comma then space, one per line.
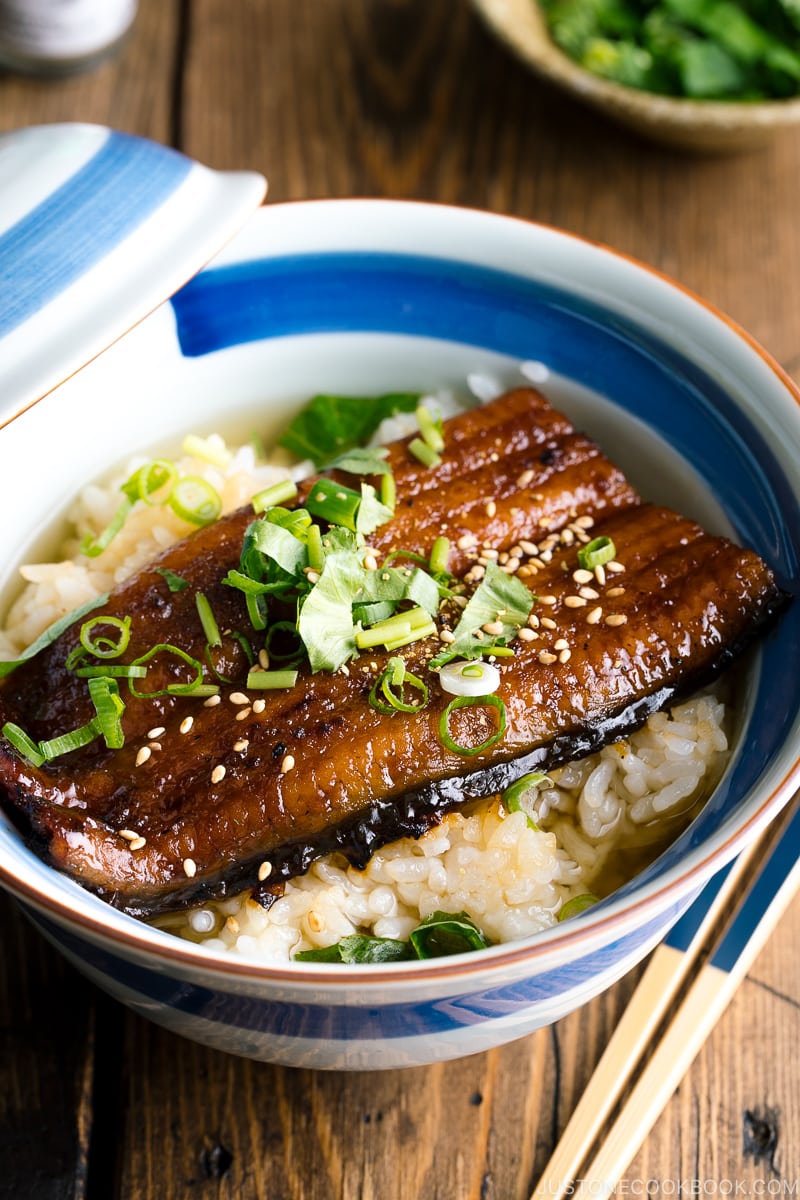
x=317, y=768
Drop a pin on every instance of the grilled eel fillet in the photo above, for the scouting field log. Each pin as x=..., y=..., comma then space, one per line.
x=316, y=768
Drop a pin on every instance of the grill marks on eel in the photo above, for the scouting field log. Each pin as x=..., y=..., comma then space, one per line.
x=690, y=602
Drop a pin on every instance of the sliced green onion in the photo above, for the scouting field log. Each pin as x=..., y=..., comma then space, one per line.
x=256, y=610
x=416, y=635
x=316, y=551
x=199, y=689
x=93, y=546
x=112, y=670
x=244, y=642
x=286, y=489
x=282, y=629
x=409, y=555
x=440, y=553
x=173, y=689
x=257, y=442
x=101, y=645
x=194, y=500
x=395, y=675
x=475, y=678
x=334, y=503
x=208, y=620
x=23, y=744
x=109, y=707
x=51, y=634
x=400, y=625
x=153, y=482
x=175, y=582
x=65, y=742
x=207, y=450
x=388, y=491
x=472, y=702
x=596, y=553
x=446, y=933
x=430, y=430
x=515, y=799
x=260, y=680
x=576, y=905
x=423, y=453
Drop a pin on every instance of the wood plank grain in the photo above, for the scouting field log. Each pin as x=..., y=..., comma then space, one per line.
x=414, y=98
x=132, y=91
x=46, y=1067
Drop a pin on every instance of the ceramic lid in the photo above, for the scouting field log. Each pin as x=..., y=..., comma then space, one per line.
x=97, y=228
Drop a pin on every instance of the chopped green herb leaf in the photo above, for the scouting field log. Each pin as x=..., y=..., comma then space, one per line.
x=445, y=933
x=329, y=425
x=498, y=597
x=175, y=582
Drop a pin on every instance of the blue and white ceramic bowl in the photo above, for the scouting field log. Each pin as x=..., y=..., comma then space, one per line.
x=362, y=297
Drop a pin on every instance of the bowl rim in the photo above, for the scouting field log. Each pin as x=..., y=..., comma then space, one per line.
x=614, y=921
x=533, y=44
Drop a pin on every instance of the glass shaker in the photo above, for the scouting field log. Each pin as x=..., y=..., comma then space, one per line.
x=61, y=37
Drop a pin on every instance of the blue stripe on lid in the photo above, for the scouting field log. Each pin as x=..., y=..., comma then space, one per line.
x=85, y=218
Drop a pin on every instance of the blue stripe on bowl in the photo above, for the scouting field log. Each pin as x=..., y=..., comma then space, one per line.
x=578, y=338
x=345, y=1022
x=86, y=217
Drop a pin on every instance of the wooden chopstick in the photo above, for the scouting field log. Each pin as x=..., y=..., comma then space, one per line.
x=738, y=940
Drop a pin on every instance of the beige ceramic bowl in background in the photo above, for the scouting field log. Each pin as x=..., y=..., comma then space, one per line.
x=702, y=125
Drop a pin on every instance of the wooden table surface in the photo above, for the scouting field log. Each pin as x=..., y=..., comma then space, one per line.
x=402, y=98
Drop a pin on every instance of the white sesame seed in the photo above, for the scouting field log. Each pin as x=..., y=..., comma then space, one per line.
x=527, y=547
x=503, y=557
x=493, y=627
x=157, y=732
x=582, y=576
x=616, y=619
x=533, y=621
x=263, y=660
x=287, y=763
x=312, y=576
x=143, y=755
x=186, y=724
x=567, y=536
x=491, y=508
x=370, y=562
x=137, y=843
x=315, y=922
x=584, y=522
x=154, y=745
x=561, y=644
x=264, y=871
x=512, y=566
x=548, y=600
x=190, y=867
x=259, y=705
x=218, y=774
x=490, y=552
x=574, y=602
x=446, y=636
x=546, y=658
x=536, y=562
x=243, y=713
x=239, y=698
x=212, y=702
x=467, y=541
x=616, y=568
x=616, y=591
x=545, y=522
x=241, y=745
x=128, y=834
x=525, y=478
x=589, y=593
x=527, y=635
x=548, y=623
x=565, y=656
x=594, y=616
x=600, y=574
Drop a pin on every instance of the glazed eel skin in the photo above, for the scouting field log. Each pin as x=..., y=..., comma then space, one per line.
x=316, y=768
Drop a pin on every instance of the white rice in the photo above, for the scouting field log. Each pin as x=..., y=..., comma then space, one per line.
x=510, y=878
